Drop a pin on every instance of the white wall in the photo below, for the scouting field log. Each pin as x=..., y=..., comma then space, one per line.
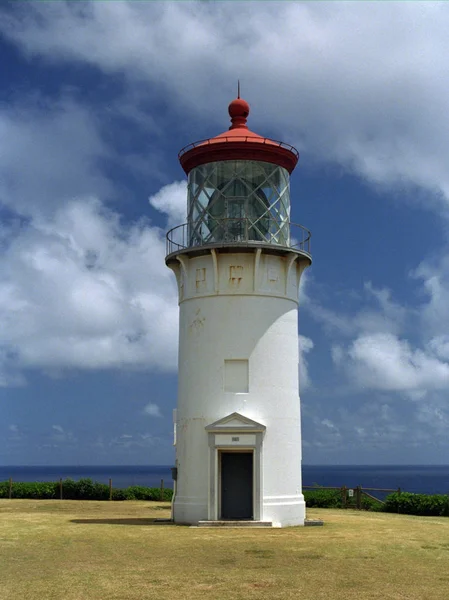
x=239, y=306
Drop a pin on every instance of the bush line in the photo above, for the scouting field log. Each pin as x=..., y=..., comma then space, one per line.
x=321, y=498
x=436, y=505
x=83, y=489
x=406, y=503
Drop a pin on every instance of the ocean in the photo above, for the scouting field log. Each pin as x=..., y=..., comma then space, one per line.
x=432, y=479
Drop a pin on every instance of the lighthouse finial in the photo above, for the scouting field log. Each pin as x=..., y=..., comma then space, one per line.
x=238, y=88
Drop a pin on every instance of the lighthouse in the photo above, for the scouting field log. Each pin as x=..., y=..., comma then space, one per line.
x=238, y=261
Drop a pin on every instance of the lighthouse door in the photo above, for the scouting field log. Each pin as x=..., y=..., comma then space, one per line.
x=236, y=485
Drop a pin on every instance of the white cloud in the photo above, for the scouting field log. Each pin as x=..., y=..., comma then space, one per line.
x=327, y=423
x=61, y=436
x=82, y=290
x=440, y=346
x=305, y=346
x=361, y=83
x=152, y=410
x=398, y=348
x=171, y=200
x=49, y=154
x=376, y=311
x=434, y=276
x=143, y=440
x=384, y=362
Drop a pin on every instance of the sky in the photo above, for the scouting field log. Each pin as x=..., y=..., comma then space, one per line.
x=96, y=100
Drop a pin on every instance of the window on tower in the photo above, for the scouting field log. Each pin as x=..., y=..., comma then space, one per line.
x=236, y=376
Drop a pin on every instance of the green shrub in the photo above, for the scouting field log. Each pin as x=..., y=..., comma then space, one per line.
x=31, y=490
x=436, y=505
x=138, y=492
x=119, y=495
x=83, y=489
x=321, y=498
x=371, y=504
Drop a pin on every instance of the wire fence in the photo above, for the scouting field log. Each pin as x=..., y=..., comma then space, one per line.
x=60, y=485
x=352, y=497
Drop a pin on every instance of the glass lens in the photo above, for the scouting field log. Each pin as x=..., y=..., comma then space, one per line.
x=238, y=201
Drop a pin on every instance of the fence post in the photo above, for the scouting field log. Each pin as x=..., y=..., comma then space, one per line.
x=110, y=489
x=399, y=490
x=162, y=490
x=60, y=488
x=10, y=488
x=343, y=497
x=358, y=497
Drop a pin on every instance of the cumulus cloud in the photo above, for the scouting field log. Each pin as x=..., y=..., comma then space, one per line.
x=152, y=410
x=143, y=440
x=384, y=362
x=375, y=311
x=80, y=289
x=305, y=346
x=434, y=278
x=397, y=348
x=361, y=83
x=60, y=436
x=49, y=154
x=439, y=345
x=172, y=201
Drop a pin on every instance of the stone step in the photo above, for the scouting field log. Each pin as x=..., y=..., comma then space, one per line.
x=313, y=522
x=235, y=524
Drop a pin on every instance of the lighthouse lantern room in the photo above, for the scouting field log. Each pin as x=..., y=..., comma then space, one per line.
x=238, y=262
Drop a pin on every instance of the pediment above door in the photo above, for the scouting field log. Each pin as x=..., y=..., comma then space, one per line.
x=235, y=422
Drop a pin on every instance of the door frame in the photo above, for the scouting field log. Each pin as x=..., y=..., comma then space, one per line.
x=220, y=451
x=234, y=433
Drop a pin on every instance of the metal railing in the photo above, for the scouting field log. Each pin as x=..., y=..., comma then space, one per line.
x=238, y=138
x=239, y=232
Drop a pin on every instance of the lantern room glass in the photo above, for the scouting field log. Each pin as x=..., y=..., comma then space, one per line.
x=238, y=201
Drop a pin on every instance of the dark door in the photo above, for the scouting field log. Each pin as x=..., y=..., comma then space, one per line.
x=236, y=485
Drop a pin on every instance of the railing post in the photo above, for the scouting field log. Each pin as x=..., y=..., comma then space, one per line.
x=358, y=497
x=343, y=496
x=60, y=488
x=162, y=490
x=10, y=488
x=110, y=489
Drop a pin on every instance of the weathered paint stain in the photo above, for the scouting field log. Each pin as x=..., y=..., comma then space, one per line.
x=198, y=322
x=200, y=280
x=235, y=274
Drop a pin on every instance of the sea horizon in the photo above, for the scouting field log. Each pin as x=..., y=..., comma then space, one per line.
x=428, y=479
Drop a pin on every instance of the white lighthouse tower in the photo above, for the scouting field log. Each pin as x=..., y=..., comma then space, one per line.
x=238, y=261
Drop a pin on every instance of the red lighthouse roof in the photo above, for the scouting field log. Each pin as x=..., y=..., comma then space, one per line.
x=238, y=143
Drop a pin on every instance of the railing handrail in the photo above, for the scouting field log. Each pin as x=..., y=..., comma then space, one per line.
x=238, y=138
x=177, y=238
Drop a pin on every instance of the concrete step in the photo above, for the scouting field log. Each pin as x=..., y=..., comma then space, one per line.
x=313, y=522
x=235, y=524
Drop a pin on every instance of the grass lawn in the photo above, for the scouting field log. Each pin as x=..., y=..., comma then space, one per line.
x=52, y=549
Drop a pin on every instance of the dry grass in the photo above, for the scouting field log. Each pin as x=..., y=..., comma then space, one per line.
x=100, y=550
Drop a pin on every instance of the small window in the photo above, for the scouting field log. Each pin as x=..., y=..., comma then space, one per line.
x=236, y=376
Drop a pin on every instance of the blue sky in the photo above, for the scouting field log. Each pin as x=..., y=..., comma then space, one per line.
x=97, y=99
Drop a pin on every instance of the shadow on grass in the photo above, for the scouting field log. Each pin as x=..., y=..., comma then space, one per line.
x=123, y=521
